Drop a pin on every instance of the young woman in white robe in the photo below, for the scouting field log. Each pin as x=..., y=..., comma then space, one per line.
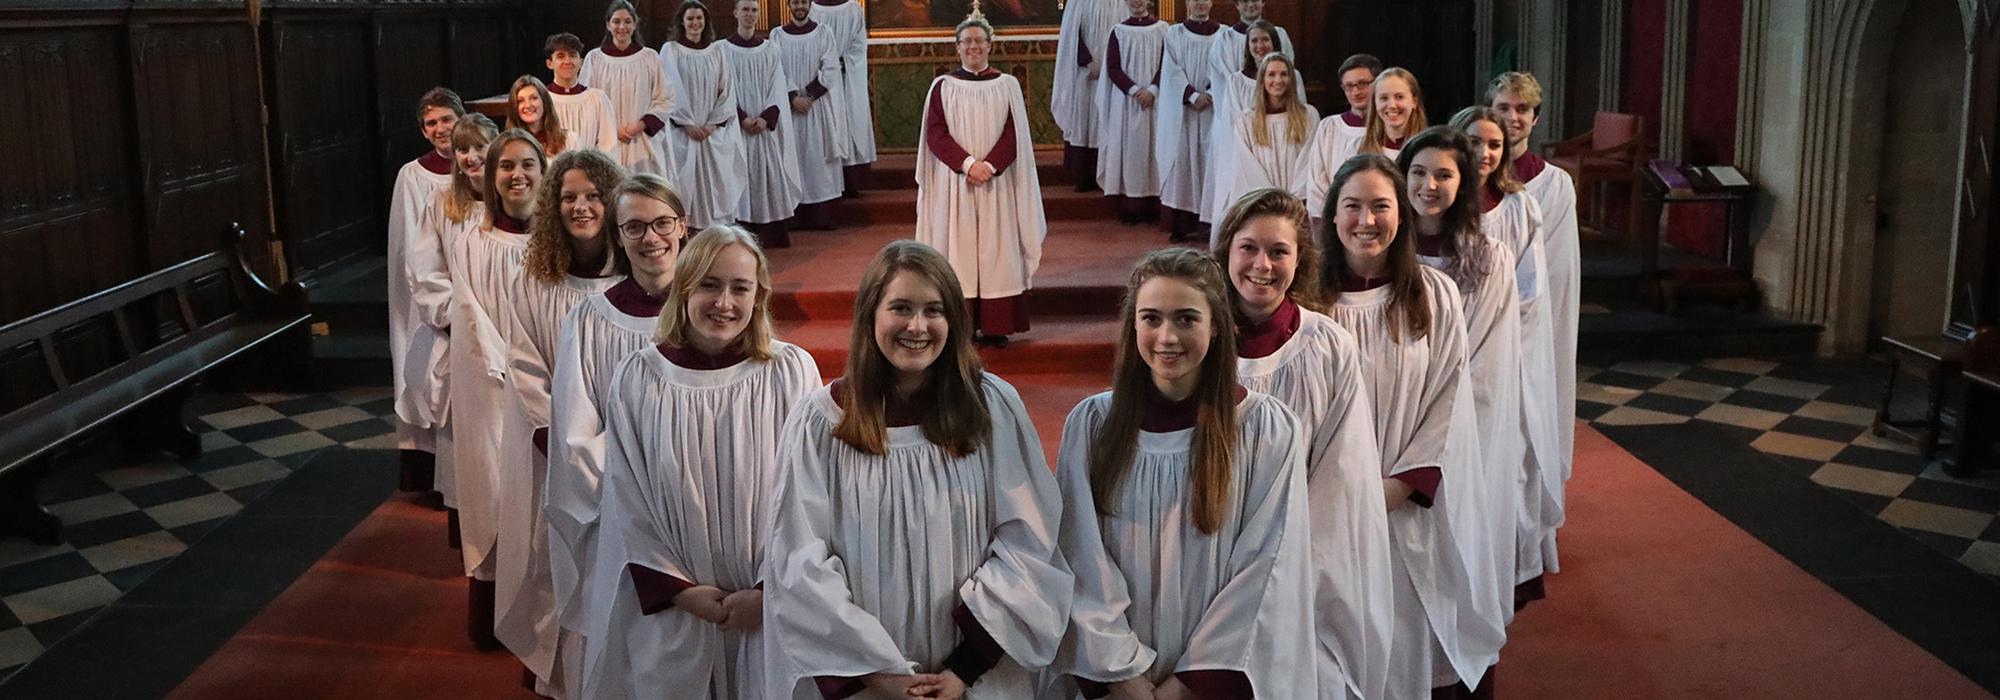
x=811, y=57
x=847, y=20
x=1439, y=170
x=570, y=257
x=595, y=336
x=757, y=76
x=1184, y=510
x=1518, y=99
x=490, y=432
x=1126, y=99
x=1339, y=137
x=630, y=73
x=708, y=145
x=418, y=183
x=1237, y=93
x=586, y=112
x=693, y=430
x=1288, y=349
x=1271, y=140
x=914, y=550
x=1398, y=114
x=979, y=199
x=1408, y=323
x=1513, y=219
x=1079, y=66
x=1185, y=113
x=1226, y=53
x=531, y=108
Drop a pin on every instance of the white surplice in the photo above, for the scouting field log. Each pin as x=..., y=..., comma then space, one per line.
x=491, y=432
x=1280, y=164
x=992, y=233
x=690, y=461
x=848, y=22
x=1318, y=375
x=1555, y=193
x=1086, y=27
x=872, y=554
x=588, y=120
x=1181, y=133
x=771, y=188
x=1333, y=143
x=711, y=176
x=415, y=194
x=1157, y=596
x=1225, y=55
x=821, y=141
x=427, y=362
x=637, y=86
x=1125, y=164
x=1518, y=224
x=1422, y=405
x=1236, y=95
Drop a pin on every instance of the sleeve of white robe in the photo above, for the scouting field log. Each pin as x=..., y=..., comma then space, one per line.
x=1350, y=542
x=1021, y=594
x=1100, y=644
x=1426, y=447
x=1320, y=166
x=1168, y=108
x=527, y=372
x=576, y=472
x=839, y=148
x=679, y=112
x=424, y=267
x=1027, y=183
x=607, y=123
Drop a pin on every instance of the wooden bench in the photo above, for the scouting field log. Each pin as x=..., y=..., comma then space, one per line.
x=127, y=357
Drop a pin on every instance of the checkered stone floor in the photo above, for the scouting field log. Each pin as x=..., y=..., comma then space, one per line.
x=1814, y=417
x=124, y=516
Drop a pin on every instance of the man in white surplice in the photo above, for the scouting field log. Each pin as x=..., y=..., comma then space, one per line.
x=1086, y=27
x=978, y=197
x=811, y=57
x=757, y=74
x=848, y=21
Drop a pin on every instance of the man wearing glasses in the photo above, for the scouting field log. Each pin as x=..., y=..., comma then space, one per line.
x=1339, y=136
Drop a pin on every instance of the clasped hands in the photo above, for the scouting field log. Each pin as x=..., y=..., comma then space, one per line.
x=741, y=611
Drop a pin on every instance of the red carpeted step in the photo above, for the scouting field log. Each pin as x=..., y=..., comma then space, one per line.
x=898, y=171
x=1079, y=345
x=1059, y=203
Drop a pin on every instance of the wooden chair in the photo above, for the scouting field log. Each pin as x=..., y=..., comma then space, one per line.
x=1610, y=153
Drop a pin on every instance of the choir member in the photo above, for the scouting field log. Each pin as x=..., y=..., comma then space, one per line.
x=528, y=110
x=630, y=73
x=811, y=55
x=1126, y=98
x=1518, y=99
x=586, y=113
x=847, y=21
x=1237, y=92
x=1270, y=142
x=1184, y=510
x=417, y=186
x=595, y=336
x=707, y=143
x=1398, y=113
x=570, y=257
x=1229, y=44
x=979, y=199
x=1288, y=349
x=1444, y=192
x=1514, y=219
x=490, y=432
x=1338, y=137
x=1080, y=45
x=1408, y=323
x=1181, y=134
x=757, y=77
x=914, y=549
x=692, y=448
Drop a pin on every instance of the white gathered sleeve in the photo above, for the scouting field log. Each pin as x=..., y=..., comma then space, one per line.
x=420, y=368
x=849, y=23
x=1181, y=133
x=991, y=233
x=539, y=309
x=489, y=428
x=871, y=554
x=1161, y=592
x=771, y=175
x=587, y=118
x=637, y=86
x=1318, y=375
x=1249, y=166
x=410, y=205
x=1519, y=223
x=1333, y=143
x=1555, y=194
x=1127, y=164
x=711, y=175
x=821, y=140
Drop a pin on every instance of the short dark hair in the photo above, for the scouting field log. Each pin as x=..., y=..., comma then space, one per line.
x=1359, y=60
x=440, y=97
x=564, y=40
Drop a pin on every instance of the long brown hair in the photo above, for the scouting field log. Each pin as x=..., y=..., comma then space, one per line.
x=1465, y=249
x=678, y=31
x=1213, y=448
x=638, y=37
x=694, y=264
x=1378, y=131
x=1407, y=294
x=474, y=131
x=1297, y=124
x=549, y=253
x=1279, y=204
x=488, y=186
x=1250, y=60
x=549, y=129
x=956, y=417
x=1502, y=180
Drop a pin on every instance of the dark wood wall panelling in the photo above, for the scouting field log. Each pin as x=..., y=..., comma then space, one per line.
x=195, y=107
x=1432, y=39
x=322, y=135
x=1975, y=294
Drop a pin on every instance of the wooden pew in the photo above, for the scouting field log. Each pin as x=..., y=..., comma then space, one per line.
x=1979, y=422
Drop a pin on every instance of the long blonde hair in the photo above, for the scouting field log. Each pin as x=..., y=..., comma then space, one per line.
x=956, y=417
x=548, y=130
x=1376, y=137
x=694, y=263
x=474, y=131
x=1298, y=124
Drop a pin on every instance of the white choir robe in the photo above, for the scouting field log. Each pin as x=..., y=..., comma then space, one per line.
x=1225, y=56
x=587, y=118
x=1493, y=458
x=711, y=177
x=1181, y=133
x=637, y=86
x=848, y=22
x=1334, y=141
x=1280, y=164
x=820, y=139
x=1086, y=27
x=1555, y=194
x=595, y=336
x=524, y=597
x=490, y=431
x=1236, y=95
x=1126, y=165
x=1517, y=223
x=1155, y=595
x=992, y=233
x=690, y=458
x=415, y=194
x=1318, y=375
x=757, y=77
x=1421, y=403
x=425, y=401
x=871, y=554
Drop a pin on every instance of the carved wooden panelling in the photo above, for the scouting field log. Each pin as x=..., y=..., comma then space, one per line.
x=482, y=62
x=201, y=164
x=322, y=127
x=409, y=59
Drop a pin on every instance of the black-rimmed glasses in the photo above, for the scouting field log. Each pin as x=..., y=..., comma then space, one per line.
x=665, y=226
